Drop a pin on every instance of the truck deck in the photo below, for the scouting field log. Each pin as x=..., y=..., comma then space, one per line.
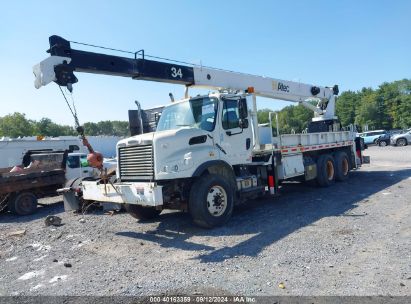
x=40, y=174
x=302, y=142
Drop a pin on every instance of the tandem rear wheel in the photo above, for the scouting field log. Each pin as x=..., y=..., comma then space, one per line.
x=342, y=165
x=325, y=170
x=332, y=168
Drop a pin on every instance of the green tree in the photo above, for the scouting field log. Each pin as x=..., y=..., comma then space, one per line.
x=105, y=127
x=120, y=128
x=262, y=115
x=346, y=106
x=46, y=127
x=404, y=113
x=91, y=128
x=15, y=125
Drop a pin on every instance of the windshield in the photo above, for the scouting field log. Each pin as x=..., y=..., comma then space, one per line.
x=196, y=113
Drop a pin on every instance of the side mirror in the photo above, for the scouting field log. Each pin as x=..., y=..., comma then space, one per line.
x=243, y=123
x=242, y=108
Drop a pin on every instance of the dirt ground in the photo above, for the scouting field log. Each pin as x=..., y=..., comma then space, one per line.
x=350, y=239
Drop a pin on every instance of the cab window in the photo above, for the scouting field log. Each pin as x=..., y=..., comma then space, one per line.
x=73, y=162
x=230, y=114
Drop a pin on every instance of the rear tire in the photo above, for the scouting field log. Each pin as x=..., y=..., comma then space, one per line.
x=325, y=170
x=23, y=203
x=342, y=165
x=211, y=201
x=402, y=142
x=142, y=213
x=382, y=143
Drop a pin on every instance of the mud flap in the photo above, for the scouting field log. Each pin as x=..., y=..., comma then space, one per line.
x=71, y=201
x=366, y=159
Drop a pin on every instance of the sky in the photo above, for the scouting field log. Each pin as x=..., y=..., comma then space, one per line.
x=353, y=44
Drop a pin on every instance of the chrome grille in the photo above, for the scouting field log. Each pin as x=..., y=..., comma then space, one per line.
x=136, y=162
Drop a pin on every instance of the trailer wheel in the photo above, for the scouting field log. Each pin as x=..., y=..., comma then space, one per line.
x=342, y=165
x=211, y=201
x=23, y=203
x=142, y=213
x=326, y=170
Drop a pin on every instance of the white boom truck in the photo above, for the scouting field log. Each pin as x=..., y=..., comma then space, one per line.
x=205, y=155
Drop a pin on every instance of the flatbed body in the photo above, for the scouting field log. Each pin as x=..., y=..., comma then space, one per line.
x=302, y=142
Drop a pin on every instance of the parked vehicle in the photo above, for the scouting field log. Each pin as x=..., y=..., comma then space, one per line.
x=401, y=139
x=383, y=140
x=371, y=137
x=40, y=175
x=206, y=155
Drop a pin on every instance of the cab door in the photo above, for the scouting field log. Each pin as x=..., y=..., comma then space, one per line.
x=86, y=170
x=235, y=131
x=73, y=169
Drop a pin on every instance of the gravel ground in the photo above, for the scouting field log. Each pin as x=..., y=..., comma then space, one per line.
x=350, y=239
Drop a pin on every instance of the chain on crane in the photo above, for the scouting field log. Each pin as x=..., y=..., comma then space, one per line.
x=95, y=159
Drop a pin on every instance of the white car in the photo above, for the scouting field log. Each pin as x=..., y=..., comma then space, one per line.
x=401, y=139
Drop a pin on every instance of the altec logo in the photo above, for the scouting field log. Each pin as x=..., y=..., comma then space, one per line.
x=279, y=86
x=283, y=87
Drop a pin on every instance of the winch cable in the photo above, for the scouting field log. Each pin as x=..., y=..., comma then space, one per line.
x=80, y=130
x=73, y=112
x=96, y=159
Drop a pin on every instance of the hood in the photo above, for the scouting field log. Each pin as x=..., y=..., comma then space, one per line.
x=141, y=139
x=185, y=132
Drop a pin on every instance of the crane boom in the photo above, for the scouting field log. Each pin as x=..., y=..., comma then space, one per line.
x=64, y=61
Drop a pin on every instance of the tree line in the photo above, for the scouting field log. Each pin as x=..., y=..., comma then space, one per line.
x=387, y=107
x=16, y=124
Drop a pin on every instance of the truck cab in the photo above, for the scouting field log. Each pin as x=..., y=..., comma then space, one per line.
x=190, y=133
x=77, y=166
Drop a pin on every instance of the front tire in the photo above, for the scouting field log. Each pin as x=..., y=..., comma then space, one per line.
x=211, y=201
x=402, y=142
x=382, y=143
x=142, y=213
x=325, y=170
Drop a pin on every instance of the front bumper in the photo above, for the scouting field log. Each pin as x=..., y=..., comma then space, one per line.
x=144, y=194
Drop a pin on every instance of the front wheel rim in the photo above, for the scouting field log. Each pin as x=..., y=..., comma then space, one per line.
x=216, y=200
x=383, y=144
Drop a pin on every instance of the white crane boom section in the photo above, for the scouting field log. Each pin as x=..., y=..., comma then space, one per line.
x=270, y=88
x=263, y=86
